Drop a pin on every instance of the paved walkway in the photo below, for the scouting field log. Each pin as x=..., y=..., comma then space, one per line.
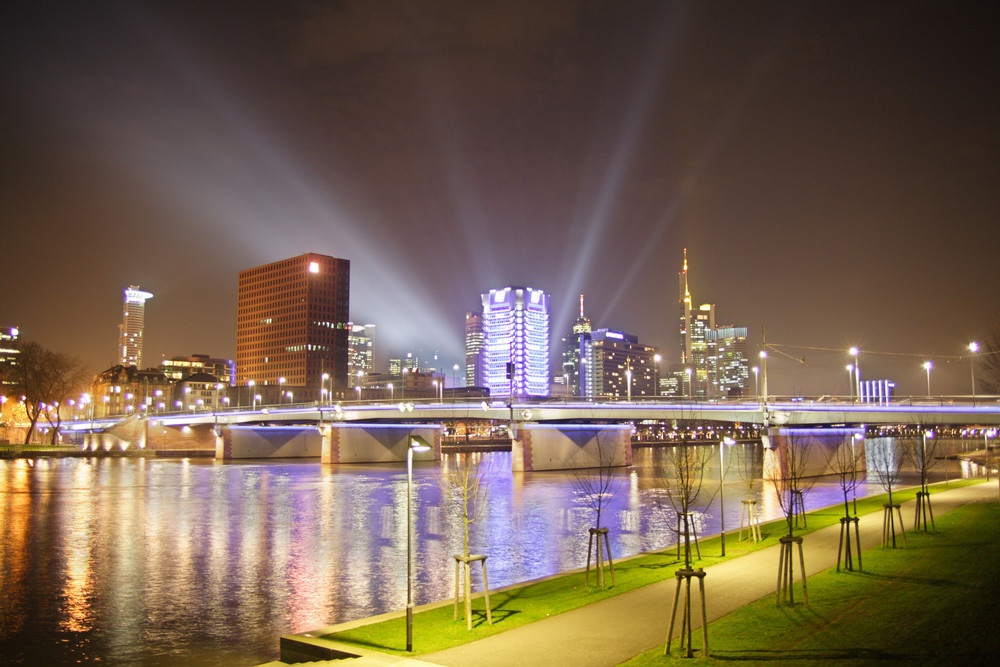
x=617, y=629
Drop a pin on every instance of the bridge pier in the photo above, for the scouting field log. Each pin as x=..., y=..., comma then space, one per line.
x=570, y=446
x=330, y=442
x=376, y=443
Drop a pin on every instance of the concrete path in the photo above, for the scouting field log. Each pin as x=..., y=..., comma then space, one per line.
x=619, y=628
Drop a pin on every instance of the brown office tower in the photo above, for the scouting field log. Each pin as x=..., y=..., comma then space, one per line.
x=292, y=327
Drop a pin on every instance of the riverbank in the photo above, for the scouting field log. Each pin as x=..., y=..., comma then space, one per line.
x=607, y=627
x=72, y=451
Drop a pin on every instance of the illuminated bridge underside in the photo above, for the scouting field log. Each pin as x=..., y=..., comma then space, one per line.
x=775, y=414
x=574, y=430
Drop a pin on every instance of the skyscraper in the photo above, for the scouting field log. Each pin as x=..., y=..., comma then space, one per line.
x=713, y=358
x=575, y=353
x=292, y=323
x=516, y=341
x=474, y=376
x=133, y=323
x=619, y=365
x=361, y=346
x=728, y=360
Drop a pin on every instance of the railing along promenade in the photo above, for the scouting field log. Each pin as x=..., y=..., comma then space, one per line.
x=774, y=411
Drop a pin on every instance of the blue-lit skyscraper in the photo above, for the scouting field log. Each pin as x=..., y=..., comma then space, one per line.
x=516, y=341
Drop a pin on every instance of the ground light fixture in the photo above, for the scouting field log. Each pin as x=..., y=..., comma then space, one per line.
x=415, y=444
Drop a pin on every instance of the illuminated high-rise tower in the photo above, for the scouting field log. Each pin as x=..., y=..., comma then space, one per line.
x=575, y=354
x=361, y=349
x=516, y=341
x=130, y=330
x=713, y=358
x=474, y=375
x=685, y=303
x=292, y=323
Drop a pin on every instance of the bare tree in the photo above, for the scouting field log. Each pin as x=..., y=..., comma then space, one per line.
x=845, y=463
x=791, y=479
x=884, y=463
x=682, y=472
x=595, y=487
x=466, y=492
x=45, y=379
x=748, y=465
x=921, y=453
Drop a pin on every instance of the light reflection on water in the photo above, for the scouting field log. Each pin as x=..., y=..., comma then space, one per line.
x=157, y=562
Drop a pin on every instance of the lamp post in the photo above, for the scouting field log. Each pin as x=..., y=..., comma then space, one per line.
x=973, y=348
x=725, y=442
x=687, y=371
x=281, y=389
x=763, y=374
x=927, y=367
x=756, y=384
x=657, y=358
x=628, y=381
x=415, y=444
x=850, y=380
x=856, y=353
x=323, y=391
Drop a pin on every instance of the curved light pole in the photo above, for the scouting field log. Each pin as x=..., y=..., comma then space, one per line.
x=973, y=349
x=763, y=373
x=628, y=380
x=927, y=367
x=725, y=442
x=415, y=444
x=856, y=353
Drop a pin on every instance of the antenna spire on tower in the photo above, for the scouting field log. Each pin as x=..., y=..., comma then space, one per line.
x=581, y=306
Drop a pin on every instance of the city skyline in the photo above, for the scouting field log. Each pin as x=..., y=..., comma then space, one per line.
x=831, y=168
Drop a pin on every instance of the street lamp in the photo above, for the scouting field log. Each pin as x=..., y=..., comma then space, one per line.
x=725, y=442
x=856, y=353
x=756, y=385
x=628, y=381
x=973, y=348
x=323, y=391
x=763, y=373
x=687, y=372
x=281, y=389
x=850, y=380
x=391, y=393
x=927, y=367
x=415, y=444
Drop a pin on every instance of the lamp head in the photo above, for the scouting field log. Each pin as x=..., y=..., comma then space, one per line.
x=419, y=444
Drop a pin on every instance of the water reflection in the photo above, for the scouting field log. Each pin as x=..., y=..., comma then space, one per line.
x=157, y=562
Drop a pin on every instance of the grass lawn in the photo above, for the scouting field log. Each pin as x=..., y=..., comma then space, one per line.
x=934, y=602
x=435, y=629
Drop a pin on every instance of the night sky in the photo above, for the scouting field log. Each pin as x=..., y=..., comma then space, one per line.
x=832, y=169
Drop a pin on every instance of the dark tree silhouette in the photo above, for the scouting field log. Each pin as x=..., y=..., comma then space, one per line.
x=46, y=380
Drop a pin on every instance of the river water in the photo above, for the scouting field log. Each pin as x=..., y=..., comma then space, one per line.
x=133, y=561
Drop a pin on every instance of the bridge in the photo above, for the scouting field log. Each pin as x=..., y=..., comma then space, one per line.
x=545, y=434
